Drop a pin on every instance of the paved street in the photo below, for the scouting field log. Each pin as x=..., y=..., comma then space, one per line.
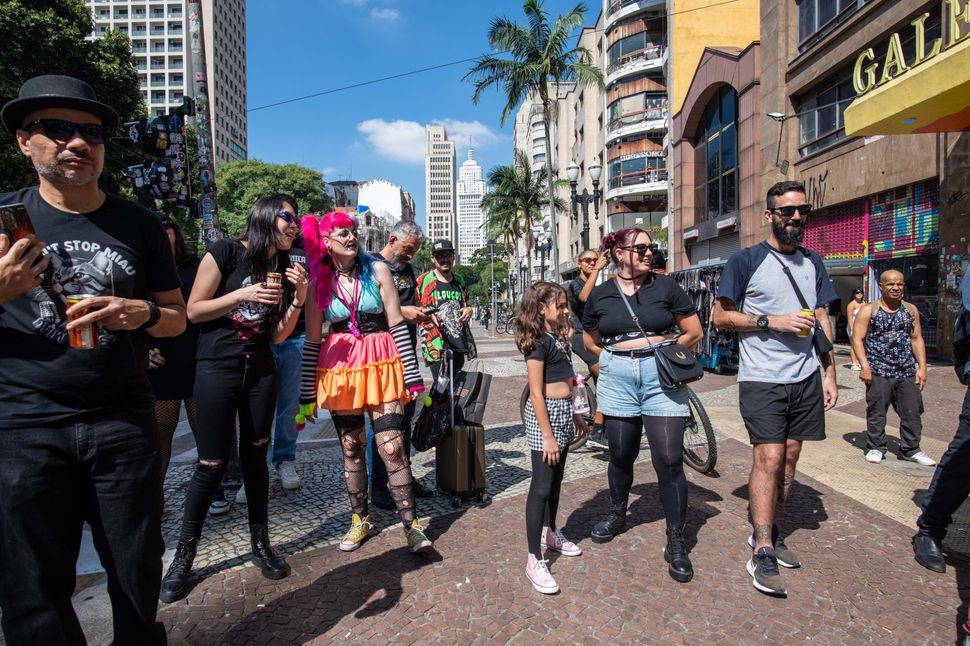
x=849, y=521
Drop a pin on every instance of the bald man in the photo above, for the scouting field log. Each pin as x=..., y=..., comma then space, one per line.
x=888, y=342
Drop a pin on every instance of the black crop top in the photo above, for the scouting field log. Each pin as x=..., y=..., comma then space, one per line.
x=655, y=304
x=557, y=363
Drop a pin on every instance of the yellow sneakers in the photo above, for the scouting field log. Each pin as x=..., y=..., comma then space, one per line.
x=417, y=541
x=359, y=531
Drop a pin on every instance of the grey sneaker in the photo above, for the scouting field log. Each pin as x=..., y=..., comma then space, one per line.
x=785, y=557
x=763, y=568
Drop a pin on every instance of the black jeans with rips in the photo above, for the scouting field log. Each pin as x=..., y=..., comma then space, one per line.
x=951, y=480
x=106, y=471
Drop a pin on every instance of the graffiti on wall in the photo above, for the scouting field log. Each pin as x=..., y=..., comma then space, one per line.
x=815, y=187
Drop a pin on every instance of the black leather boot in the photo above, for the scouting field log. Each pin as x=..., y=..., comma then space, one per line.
x=175, y=584
x=613, y=524
x=675, y=554
x=272, y=566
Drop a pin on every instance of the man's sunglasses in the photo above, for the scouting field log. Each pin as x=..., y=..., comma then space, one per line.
x=588, y=259
x=444, y=255
x=63, y=131
x=789, y=211
x=288, y=217
x=642, y=249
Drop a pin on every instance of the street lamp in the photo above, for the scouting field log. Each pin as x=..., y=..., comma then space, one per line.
x=541, y=249
x=781, y=118
x=572, y=172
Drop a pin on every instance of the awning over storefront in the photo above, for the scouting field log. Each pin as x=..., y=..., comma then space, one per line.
x=932, y=97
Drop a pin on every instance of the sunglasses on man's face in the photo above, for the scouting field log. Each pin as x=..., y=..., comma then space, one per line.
x=641, y=249
x=63, y=131
x=590, y=259
x=288, y=217
x=789, y=211
x=445, y=255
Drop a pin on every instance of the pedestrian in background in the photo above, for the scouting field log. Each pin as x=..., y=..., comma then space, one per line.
x=78, y=439
x=246, y=296
x=782, y=396
x=542, y=334
x=851, y=312
x=629, y=393
x=443, y=291
x=578, y=289
x=888, y=343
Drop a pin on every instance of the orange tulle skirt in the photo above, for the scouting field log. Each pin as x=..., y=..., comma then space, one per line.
x=355, y=373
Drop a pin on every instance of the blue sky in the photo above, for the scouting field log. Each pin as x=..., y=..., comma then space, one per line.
x=301, y=47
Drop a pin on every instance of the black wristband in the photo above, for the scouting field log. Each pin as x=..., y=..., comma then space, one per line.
x=154, y=314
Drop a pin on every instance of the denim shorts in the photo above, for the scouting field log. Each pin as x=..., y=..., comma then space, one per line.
x=630, y=387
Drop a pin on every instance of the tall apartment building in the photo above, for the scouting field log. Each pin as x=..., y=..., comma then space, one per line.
x=470, y=190
x=159, y=33
x=439, y=185
x=387, y=200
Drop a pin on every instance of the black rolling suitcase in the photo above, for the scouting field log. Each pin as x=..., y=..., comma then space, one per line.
x=460, y=455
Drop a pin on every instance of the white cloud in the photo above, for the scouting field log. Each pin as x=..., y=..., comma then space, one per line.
x=329, y=170
x=401, y=141
x=404, y=141
x=386, y=15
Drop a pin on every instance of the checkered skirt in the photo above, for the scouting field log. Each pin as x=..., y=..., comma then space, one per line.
x=560, y=418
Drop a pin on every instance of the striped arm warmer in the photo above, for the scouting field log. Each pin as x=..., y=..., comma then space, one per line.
x=412, y=377
x=308, y=372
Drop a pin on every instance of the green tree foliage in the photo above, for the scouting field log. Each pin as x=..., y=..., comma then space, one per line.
x=422, y=257
x=480, y=268
x=240, y=183
x=47, y=37
x=539, y=55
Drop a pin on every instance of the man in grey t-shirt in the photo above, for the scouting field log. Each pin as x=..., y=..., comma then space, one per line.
x=781, y=394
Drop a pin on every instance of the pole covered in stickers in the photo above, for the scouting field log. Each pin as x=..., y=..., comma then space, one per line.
x=207, y=171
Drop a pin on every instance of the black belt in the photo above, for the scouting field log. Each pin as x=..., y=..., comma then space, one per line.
x=640, y=353
x=367, y=323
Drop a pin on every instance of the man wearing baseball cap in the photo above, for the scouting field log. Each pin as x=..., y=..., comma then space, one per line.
x=77, y=433
x=441, y=290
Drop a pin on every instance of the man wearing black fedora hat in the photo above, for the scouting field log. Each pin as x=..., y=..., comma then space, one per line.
x=77, y=433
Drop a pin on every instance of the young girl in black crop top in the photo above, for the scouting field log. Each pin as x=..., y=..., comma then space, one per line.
x=542, y=334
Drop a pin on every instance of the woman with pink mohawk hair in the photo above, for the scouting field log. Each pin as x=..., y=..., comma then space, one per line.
x=367, y=363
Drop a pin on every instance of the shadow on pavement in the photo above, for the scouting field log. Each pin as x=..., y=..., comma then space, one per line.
x=804, y=508
x=858, y=440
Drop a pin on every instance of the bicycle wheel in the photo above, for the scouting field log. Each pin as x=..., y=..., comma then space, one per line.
x=700, y=445
x=510, y=326
x=579, y=442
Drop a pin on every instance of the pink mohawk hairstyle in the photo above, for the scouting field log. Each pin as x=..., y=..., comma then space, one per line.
x=318, y=256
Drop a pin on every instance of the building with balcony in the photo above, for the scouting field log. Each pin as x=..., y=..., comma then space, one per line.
x=470, y=190
x=636, y=115
x=158, y=30
x=439, y=185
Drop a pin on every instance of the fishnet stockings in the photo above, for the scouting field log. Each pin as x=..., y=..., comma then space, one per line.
x=166, y=419
x=353, y=440
x=387, y=420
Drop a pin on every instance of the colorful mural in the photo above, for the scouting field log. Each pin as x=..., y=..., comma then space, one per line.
x=905, y=221
x=838, y=232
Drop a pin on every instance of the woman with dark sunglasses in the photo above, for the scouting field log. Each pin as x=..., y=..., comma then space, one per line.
x=246, y=296
x=628, y=391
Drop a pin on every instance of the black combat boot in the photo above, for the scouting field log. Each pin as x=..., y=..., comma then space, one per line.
x=613, y=524
x=272, y=566
x=175, y=584
x=675, y=554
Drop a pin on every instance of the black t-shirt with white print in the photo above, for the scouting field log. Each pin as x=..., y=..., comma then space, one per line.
x=246, y=328
x=119, y=249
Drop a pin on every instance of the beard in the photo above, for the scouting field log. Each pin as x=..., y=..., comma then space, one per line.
x=59, y=175
x=791, y=234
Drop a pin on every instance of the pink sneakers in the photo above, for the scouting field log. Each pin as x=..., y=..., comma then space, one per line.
x=538, y=574
x=555, y=541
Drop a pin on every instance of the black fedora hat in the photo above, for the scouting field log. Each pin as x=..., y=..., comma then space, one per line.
x=55, y=91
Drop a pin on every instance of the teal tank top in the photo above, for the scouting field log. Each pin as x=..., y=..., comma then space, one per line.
x=370, y=302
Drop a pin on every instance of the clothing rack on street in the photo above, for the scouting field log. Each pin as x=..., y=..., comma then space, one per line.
x=717, y=350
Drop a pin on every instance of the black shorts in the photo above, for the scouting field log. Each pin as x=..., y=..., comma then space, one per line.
x=773, y=413
x=588, y=357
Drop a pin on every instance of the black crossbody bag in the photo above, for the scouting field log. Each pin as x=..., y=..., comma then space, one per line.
x=819, y=338
x=676, y=365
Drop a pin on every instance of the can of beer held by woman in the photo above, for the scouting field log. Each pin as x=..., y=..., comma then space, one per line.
x=274, y=278
x=83, y=337
x=807, y=331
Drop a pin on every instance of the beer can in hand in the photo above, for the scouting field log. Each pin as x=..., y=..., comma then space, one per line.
x=274, y=278
x=807, y=331
x=82, y=337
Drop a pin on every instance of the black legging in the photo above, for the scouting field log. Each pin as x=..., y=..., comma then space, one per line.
x=666, y=438
x=542, y=504
x=225, y=388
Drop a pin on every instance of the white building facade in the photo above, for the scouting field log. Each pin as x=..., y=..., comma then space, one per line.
x=159, y=33
x=386, y=200
x=439, y=185
x=470, y=190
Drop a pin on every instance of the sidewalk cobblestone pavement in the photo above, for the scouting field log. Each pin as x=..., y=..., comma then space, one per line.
x=849, y=521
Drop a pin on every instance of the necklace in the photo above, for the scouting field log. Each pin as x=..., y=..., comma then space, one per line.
x=351, y=308
x=345, y=272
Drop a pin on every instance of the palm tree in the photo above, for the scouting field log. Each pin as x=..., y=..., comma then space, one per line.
x=515, y=203
x=540, y=56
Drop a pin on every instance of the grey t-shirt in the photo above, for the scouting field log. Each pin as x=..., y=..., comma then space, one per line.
x=755, y=280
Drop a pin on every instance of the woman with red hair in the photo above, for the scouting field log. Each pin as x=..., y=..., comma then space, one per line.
x=367, y=363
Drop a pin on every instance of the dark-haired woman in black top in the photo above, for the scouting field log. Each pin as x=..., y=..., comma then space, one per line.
x=241, y=309
x=629, y=393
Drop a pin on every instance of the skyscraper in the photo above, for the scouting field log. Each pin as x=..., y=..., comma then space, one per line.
x=159, y=33
x=439, y=184
x=471, y=189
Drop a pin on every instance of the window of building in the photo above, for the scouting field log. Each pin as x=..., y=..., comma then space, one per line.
x=646, y=44
x=643, y=169
x=717, y=153
x=820, y=114
x=644, y=106
x=819, y=17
